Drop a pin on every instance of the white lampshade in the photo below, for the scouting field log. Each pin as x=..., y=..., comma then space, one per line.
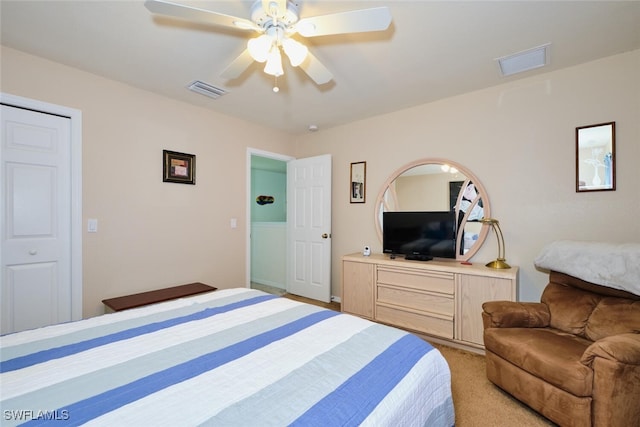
x=296, y=51
x=274, y=62
x=259, y=47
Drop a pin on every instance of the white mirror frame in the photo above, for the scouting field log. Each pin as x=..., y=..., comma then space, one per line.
x=382, y=204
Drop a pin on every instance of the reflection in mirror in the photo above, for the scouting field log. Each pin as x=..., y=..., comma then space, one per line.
x=438, y=185
x=469, y=210
x=595, y=157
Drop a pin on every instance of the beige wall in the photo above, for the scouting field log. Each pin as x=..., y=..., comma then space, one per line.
x=150, y=233
x=519, y=140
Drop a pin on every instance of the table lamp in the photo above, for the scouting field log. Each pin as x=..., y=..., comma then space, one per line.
x=500, y=262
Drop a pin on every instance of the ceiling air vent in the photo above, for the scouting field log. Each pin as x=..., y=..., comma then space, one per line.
x=524, y=61
x=206, y=89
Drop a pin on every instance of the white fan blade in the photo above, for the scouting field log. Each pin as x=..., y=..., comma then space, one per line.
x=357, y=21
x=314, y=69
x=199, y=15
x=238, y=66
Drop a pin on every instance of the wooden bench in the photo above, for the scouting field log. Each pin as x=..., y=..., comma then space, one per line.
x=151, y=297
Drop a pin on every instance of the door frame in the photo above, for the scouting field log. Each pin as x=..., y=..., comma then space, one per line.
x=76, y=186
x=260, y=153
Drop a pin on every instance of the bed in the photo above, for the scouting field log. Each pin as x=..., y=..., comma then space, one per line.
x=231, y=357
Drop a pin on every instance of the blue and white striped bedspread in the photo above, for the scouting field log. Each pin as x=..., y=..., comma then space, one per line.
x=231, y=357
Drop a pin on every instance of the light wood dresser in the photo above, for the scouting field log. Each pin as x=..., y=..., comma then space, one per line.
x=440, y=299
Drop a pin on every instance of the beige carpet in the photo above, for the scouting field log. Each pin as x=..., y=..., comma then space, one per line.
x=477, y=401
x=269, y=289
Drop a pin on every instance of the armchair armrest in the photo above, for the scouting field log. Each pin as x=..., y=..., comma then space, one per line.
x=511, y=314
x=623, y=348
x=615, y=361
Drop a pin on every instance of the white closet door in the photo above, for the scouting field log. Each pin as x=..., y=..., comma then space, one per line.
x=36, y=220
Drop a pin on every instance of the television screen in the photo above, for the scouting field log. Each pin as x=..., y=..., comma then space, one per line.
x=419, y=235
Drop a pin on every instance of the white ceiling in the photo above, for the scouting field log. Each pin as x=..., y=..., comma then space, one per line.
x=432, y=50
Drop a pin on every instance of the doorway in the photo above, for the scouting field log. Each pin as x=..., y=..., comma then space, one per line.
x=305, y=239
x=266, y=221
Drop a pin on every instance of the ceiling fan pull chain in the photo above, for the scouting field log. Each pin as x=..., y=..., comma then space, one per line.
x=276, y=89
x=273, y=11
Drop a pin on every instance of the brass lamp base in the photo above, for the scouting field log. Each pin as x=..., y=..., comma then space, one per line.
x=498, y=264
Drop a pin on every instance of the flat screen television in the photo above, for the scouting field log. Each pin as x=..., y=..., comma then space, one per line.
x=419, y=235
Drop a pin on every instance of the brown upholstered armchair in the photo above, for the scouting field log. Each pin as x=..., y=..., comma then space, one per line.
x=574, y=357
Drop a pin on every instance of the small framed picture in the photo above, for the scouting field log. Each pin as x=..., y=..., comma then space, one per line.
x=596, y=157
x=357, y=188
x=178, y=167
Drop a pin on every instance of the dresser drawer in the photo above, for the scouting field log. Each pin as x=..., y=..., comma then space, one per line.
x=432, y=281
x=421, y=301
x=437, y=326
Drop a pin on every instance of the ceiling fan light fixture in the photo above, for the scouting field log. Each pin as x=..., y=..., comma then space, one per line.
x=296, y=51
x=275, y=21
x=259, y=47
x=274, y=62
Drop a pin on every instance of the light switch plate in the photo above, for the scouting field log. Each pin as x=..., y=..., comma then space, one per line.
x=92, y=226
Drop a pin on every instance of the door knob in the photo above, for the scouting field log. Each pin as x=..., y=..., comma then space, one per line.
x=325, y=236
x=33, y=252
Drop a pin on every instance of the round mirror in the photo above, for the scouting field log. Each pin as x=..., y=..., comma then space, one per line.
x=439, y=185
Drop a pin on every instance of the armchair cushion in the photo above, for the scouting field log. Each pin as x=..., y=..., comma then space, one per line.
x=613, y=316
x=511, y=314
x=559, y=363
x=559, y=297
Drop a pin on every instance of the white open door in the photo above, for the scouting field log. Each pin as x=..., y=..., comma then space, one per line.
x=309, y=227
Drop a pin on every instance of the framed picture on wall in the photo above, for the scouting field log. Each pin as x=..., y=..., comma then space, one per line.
x=357, y=189
x=178, y=167
x=596, y=157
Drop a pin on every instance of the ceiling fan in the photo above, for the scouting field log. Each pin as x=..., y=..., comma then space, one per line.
x=277, y=21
